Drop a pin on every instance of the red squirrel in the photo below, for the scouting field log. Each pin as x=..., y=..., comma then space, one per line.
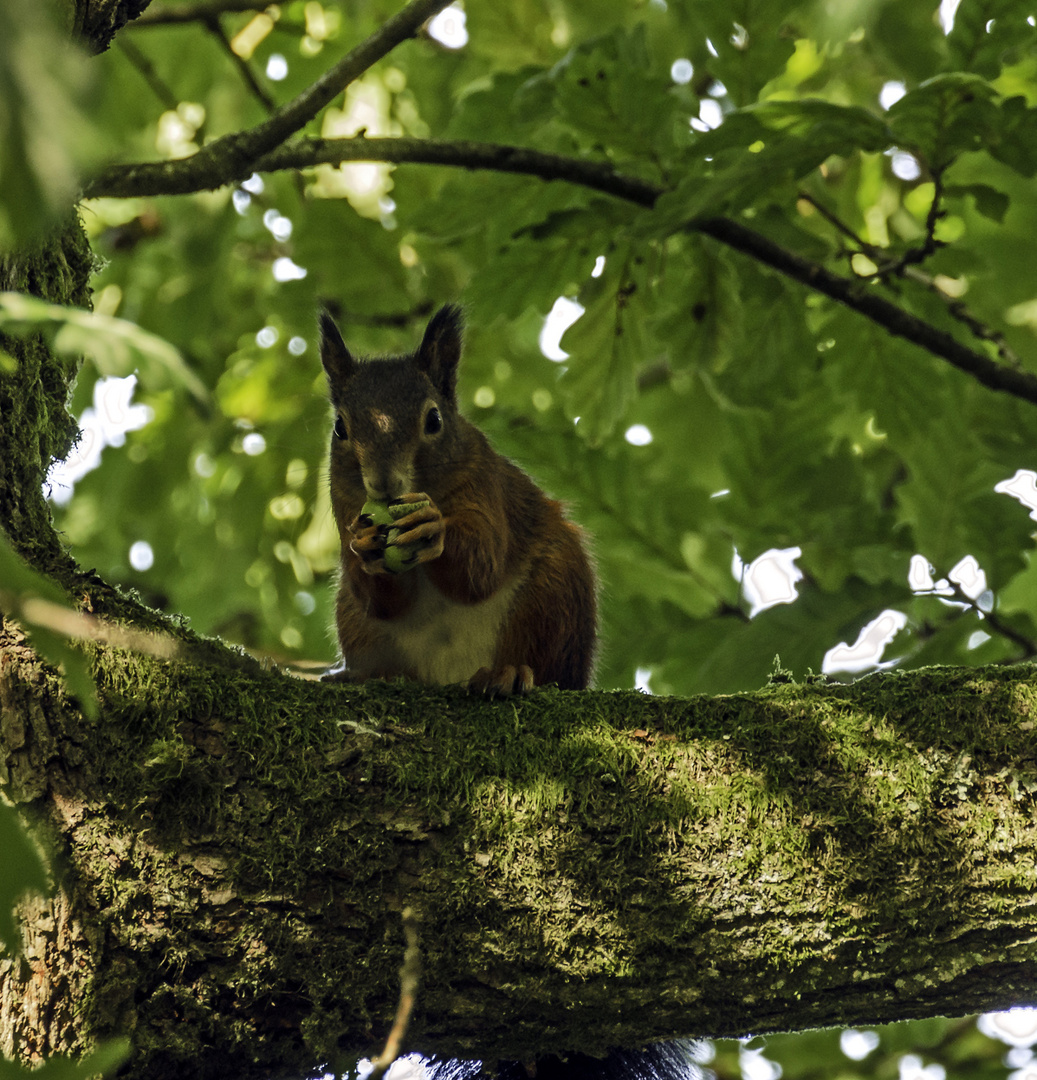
x=499, y=591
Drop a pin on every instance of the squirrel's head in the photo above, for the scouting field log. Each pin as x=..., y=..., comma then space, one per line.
x=396, y=418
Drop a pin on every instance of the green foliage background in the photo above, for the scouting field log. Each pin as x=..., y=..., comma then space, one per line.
x=779, y=419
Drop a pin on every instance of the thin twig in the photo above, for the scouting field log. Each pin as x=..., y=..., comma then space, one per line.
x=212, y=24
x=241, y=149
x=980, y=330
x=231, y=158
x=410, y=977
x=862, y=298
x=914, y=256
x=863, y=246
x=165, y=95
x=957, y=593
x=955, y=308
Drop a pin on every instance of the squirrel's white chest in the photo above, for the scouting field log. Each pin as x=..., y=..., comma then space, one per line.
x=446, y=642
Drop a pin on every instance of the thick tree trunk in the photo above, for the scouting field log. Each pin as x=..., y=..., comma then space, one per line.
x=590, y=870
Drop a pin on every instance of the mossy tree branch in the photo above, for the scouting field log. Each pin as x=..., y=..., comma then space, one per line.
x=630, y=868
x=179, y=177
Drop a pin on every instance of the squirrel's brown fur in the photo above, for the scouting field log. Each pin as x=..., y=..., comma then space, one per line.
x=503, y=593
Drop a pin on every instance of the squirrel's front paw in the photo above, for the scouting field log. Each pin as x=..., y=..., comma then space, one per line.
x=368, y=544
x=503, y=682
x=394, y=536
x=417, y=532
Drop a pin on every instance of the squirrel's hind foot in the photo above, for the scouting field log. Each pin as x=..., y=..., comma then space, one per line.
x=504, y=682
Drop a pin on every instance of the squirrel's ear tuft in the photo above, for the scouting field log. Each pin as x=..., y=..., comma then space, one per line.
x=337, y=359
x=440, y=350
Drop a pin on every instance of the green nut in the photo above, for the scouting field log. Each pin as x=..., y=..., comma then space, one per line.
x=385, y=513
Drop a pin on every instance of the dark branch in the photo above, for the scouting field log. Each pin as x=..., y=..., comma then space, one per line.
x=862, y=298
x=161, y=90
x=955, y=308
x=994, y=621
x=298, y=112
x=410, y=978
x=232, y=157
x=175, y=177
x=860, y=244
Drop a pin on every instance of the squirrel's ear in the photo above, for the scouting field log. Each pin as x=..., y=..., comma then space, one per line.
x=440, y=350
x=337, y=359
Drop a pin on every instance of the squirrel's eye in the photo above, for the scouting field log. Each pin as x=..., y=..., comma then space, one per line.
x=340, y=428
x=433, y=421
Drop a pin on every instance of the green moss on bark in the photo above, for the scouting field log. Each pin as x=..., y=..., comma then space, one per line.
x=591, y=869
x=35, y=426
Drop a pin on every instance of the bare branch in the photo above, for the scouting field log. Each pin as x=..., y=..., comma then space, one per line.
x=954, y=591
x=861, y=297
x=165, y=95
x=955, y=308
x=175, y=177
x=232, y=157
x=212, y=24
x=930, y=245
x=410, y=976
x=833, y=219
x=298, y=112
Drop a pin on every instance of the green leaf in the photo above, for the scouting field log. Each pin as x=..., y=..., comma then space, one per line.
x=701, y=318
x=751, y=40
x=990, y=202
x=758, y=150
x=907, y=37
x=117, y=347
x=1015, y=140
x=606, y=347
x=945, y=117
x=990, y=33
x=607, y=93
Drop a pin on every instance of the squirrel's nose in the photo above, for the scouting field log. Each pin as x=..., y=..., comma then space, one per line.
x=382, y=486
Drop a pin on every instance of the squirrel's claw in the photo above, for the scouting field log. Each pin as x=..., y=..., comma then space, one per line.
x=368, y=545
x=421, y=533
x=504, y=682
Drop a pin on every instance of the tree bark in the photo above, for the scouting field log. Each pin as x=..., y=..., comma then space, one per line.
x=234, y=852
